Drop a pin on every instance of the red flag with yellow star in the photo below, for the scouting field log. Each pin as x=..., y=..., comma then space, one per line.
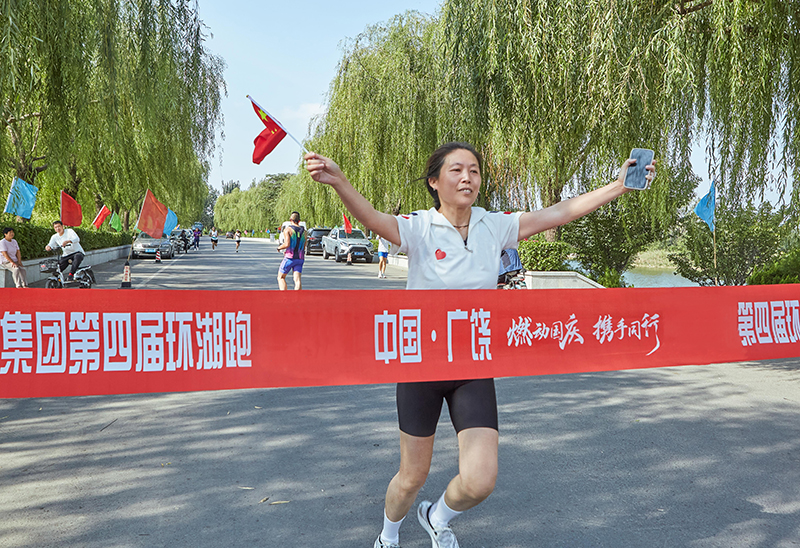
x=269, y=138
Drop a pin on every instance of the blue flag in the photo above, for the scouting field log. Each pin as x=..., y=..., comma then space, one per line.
x=170, y=223
x=21, y=199
x=706, y=206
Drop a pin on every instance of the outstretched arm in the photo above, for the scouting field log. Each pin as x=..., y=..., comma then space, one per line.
x=325, y=171
x=533, y=222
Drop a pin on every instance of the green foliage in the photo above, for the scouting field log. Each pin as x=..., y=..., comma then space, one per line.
x=539, y=254
x=784, y=270
x=607, y=241
x=207, y=218
x=106, y=99
x=33, y=238
x=255, y=208
x=746, y=238
x=555, y=94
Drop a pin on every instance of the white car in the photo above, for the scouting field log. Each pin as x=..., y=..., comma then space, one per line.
x=339, y=243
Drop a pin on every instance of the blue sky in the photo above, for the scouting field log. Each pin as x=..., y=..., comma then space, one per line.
x=285, y=56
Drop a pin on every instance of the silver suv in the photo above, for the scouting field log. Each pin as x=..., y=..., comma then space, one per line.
x=338, y=244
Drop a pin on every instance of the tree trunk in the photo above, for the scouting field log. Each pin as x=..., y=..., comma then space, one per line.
x=551, y=195
x=126, y=218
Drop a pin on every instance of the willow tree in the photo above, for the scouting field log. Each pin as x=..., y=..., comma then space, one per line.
x=549, y=89
x=381, y=120
x=113, y=96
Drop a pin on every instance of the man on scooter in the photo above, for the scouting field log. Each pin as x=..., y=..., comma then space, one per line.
x=70, y=243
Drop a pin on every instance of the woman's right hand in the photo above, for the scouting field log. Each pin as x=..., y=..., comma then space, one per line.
x=323, y=170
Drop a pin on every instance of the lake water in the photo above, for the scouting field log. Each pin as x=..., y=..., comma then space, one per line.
x=651, y=277
x=656, y=277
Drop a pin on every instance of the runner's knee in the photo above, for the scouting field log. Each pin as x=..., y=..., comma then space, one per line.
x=411, y=481
x=478, y=484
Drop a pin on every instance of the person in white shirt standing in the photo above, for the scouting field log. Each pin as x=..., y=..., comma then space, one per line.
x=383, y=255
x=70, y=243
x=11, y=258
x=451, y=246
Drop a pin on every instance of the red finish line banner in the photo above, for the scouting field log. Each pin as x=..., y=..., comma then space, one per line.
x=72, y=343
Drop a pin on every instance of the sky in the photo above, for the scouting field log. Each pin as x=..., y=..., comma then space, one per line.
x=285, y=56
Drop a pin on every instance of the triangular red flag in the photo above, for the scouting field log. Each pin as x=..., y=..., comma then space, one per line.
x=153, y=216
x=347, y=226
x=269, y=138
x=71, y=214
x=101, y=216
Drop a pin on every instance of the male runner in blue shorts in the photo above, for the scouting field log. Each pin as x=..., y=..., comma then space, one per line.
x=294, y=242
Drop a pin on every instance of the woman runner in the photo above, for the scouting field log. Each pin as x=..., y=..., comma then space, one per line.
x=453, y=233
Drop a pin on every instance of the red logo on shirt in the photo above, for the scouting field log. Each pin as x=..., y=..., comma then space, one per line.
x=440, y=254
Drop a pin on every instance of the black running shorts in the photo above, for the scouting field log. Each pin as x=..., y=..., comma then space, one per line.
x=472, y=404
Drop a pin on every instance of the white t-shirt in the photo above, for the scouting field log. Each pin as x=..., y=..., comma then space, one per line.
x=10, y=247
x=68, y=234
x=438, y=258
x=384, y=245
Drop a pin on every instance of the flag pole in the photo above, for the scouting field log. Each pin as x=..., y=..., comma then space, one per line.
x=279, y=124
x=716, y=277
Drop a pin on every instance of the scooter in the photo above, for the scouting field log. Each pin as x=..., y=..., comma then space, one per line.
x=83, y=279
x=512, y=273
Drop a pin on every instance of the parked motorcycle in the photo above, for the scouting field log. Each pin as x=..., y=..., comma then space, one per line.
x=512, y=274
x=83, y=279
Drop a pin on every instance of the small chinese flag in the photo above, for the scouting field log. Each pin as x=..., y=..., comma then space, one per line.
x=269, y=138
x=101, y=216
x=347, y=226
x=153, y=216
x=71, y=214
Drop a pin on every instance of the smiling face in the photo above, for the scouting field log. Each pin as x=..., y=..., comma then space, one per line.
x=59, y=228
x=9, y=235
x=459, y=180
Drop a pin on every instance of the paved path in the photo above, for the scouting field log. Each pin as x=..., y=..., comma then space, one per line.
x=695, y=456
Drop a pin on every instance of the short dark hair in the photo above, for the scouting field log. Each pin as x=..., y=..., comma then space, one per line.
x=7, y=229
x=295, y=217
x=58, y=222
x=434, y=165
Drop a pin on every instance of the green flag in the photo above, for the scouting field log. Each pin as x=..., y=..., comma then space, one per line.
x=115, y=222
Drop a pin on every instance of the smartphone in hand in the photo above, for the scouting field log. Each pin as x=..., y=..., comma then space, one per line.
x=636, y=177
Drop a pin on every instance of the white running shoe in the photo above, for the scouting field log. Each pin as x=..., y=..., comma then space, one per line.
x=379, y=543
x=380, y=275
x=442, y=537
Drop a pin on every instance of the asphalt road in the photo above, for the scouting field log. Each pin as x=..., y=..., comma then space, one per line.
x=695, y=456
x=255, y=266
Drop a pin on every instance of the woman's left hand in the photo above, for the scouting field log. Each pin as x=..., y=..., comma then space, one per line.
x=651, y=172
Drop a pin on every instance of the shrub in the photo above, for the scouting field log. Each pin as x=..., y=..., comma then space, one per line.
x=785, y=270
x=33, y=238
x=539, y=254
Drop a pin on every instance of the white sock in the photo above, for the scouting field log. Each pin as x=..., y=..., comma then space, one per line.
x=441, y=514
x=391, y=530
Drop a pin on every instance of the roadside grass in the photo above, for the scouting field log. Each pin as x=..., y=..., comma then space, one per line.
x=653, y=258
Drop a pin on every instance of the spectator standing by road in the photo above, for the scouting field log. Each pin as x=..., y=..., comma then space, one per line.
x=214, y=237
x=11, y=258
x=294, y=242
x=383, y=255
x=70, y=243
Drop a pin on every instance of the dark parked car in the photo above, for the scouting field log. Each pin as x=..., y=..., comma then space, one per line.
x=314, y=239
